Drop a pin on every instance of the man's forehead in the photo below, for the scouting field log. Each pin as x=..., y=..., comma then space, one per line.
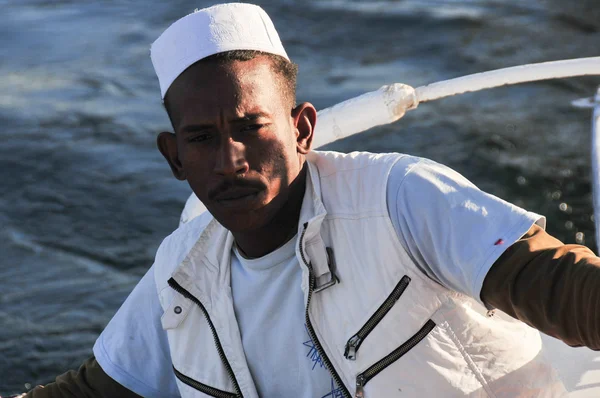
x=220, y=102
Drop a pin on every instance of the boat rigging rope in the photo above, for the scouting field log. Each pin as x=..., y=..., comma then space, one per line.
x=508, y=76
x=390, y=103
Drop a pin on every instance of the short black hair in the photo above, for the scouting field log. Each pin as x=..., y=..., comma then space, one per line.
x=287, y=70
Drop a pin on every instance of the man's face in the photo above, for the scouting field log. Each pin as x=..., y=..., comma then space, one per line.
x=236, y=140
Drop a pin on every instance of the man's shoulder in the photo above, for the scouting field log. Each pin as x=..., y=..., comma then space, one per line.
x=368, y=167
x=175, y=247
x=331, y=162
x=355, y=183
x=183, y=238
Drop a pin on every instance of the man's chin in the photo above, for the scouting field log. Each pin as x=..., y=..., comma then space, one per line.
x=241, y=218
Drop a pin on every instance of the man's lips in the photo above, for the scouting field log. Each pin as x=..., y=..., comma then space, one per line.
x=233, y=194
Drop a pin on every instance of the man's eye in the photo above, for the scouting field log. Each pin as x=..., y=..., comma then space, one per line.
x=199, y=137
x=252, y=127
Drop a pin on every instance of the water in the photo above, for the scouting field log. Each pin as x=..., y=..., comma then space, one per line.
x=87, y=198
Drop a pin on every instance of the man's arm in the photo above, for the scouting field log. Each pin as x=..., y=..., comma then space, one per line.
x=474, y=243
x=89, y=381
x=552, y=287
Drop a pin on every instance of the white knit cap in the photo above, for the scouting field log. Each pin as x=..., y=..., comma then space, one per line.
x=212, y=30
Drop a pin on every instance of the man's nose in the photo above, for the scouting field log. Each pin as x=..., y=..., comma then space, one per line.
x=231, y=158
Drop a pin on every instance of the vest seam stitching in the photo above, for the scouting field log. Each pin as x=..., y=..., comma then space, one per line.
x=476, y=371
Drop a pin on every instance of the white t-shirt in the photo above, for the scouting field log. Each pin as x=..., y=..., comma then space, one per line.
x=450, y=246
x=282, y=359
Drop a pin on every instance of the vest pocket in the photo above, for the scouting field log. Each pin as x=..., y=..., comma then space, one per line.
x=208, y=390
x=363, y=378
x=355, y=341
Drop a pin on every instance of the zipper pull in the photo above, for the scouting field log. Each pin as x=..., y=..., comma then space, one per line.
x=360, y=382
x=350, y=349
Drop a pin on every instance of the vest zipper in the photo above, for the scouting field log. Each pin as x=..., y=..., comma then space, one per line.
x=355, y=341
x=177, y=287
x=311, y=331
x=363, y=378
x=212, y=391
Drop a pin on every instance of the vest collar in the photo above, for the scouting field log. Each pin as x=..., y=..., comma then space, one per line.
x=208, y=261
x=310, y=246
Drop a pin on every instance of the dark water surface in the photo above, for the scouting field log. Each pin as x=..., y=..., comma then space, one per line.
x=86, y=198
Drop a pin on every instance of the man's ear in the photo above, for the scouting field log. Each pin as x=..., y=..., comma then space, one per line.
x=167, y=145
x=305, y=119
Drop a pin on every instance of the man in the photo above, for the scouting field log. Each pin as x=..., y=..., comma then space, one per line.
x=319, y=274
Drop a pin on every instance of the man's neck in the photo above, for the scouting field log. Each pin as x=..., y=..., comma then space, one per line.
x=280, y=229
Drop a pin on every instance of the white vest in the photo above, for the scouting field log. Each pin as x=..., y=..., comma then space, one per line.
x=384, y=328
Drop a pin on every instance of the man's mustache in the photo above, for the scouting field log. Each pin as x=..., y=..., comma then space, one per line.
x=238, y=183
